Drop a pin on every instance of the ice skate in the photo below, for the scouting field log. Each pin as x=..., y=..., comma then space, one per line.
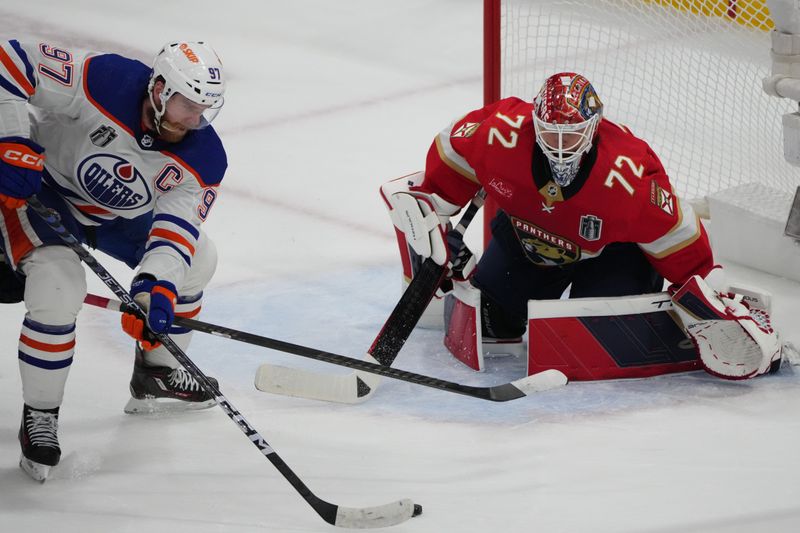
x=38, y=438
x=162, y=389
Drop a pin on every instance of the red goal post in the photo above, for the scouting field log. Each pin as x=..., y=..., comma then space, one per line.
x=491, y=84
x=685, y=75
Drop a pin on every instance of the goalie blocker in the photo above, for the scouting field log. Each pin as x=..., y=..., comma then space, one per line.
x=629, y=336
x=421, y=222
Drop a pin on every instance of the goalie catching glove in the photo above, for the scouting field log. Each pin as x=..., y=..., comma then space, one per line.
x=157, y=298
x=734, y=338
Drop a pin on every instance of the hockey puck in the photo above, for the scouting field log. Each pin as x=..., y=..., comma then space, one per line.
x=417, y=510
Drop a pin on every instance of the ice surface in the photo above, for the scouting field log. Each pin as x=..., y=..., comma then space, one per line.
x=326, y=101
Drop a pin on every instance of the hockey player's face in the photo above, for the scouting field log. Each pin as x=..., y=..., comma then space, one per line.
x=566, y=142
x=180, y=116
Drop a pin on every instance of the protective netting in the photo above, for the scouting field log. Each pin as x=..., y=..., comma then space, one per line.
x=683, y=75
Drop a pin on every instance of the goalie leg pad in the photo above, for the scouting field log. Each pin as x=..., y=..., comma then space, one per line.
x=465, y=336
x=733, y=340
x=463, y=325
x=608, y=338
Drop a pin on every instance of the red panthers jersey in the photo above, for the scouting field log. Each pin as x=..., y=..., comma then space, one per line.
x=621, y=193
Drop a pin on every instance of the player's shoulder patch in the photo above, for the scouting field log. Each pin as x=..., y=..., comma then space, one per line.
x=662, y=198
x=116, y=85
x=464, y=130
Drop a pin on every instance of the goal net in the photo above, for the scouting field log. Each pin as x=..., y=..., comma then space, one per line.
x=685, y=75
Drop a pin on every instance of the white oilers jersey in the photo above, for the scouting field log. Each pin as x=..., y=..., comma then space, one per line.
x=85, y=110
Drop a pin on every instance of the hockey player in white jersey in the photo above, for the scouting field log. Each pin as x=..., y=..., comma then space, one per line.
x=126, y=156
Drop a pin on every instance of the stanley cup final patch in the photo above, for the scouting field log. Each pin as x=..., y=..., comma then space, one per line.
x=590, y=227
x=103, y=135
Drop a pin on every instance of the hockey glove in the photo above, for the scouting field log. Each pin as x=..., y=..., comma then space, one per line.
x=157, y=298
x=734, y=338
x=21, y=164
x=461, y=266
x=462, y=263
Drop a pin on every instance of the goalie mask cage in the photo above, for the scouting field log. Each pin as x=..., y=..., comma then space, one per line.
x=684, y=75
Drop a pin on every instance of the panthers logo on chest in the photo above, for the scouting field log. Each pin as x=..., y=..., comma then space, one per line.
x=542, y=247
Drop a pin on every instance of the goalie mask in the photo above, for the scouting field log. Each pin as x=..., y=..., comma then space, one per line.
x=566, y=113
x=193, y=70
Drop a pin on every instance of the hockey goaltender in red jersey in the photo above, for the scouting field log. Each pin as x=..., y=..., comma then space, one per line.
x=583, y=204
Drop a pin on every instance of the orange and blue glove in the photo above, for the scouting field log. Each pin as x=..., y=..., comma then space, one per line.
x=157, y=298
x=21, y=165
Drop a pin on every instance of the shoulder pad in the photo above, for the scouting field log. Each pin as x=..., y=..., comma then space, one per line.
x=116, y=85
x=203, y=154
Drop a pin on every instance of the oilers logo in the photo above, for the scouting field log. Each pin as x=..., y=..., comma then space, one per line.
x=113, y=182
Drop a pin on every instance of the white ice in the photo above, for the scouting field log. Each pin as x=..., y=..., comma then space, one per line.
x=326, y=101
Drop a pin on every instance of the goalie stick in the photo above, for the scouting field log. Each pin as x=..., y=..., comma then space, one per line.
x=539, y=382
x=358, y=387
x=354, y=517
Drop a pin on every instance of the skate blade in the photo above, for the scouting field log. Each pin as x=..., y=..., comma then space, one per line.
x=500, y=348
x=37, y=471
x=164, y=405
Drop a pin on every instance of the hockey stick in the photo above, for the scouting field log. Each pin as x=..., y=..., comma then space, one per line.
x=358, y=387
x=499, y=393
x=364, y=517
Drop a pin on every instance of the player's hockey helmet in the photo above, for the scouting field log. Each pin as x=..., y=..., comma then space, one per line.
x=192, y=69
x=566, y=113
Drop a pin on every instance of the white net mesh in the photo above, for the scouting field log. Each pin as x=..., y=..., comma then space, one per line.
x=687, y=80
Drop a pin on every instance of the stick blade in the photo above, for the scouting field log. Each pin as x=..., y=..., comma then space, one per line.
x=352, y=388
x=541, y=381
x=386, y=515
